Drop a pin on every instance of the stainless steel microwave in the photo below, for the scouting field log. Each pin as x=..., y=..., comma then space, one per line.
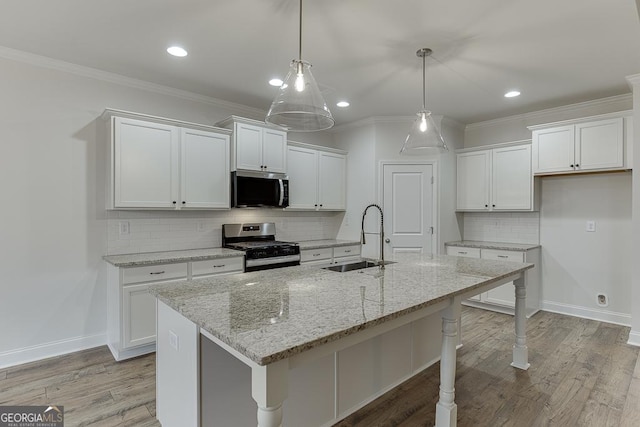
x=259, y=190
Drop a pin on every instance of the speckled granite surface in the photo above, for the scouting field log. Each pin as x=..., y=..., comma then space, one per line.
x=493, y=245
x=151, y=258
x=274, y=314
x=329, y=243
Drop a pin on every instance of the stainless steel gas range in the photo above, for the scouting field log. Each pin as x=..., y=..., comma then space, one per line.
x=258, y=241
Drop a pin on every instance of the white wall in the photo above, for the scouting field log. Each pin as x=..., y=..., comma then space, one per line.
x=52, y=231
x=634, y=335
x=378, y=140
x=576, y=265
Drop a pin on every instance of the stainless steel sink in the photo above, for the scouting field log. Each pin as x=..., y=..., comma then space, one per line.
x=358, y=265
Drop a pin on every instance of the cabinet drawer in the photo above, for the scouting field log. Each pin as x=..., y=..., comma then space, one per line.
x=154, y=273
x=499, y=255
x=463, y=252
x=316, y=254
x=217, y=266
x=343, y=251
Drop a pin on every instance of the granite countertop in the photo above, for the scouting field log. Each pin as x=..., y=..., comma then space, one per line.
x=326, y=243
x=493, y=245
x=268, y=317
x=151, y=258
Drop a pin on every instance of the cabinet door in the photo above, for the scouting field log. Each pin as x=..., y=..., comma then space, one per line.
x=553, y=149
x=205, y=170
x=303, y=178
x=274, y=151
x=145, y=164
x=138, y=315
x=332, y=181
x=248, y=144
x=512, y=180
x=466, y=253
x=600, y=144
x=505, y=294
x=473, y=180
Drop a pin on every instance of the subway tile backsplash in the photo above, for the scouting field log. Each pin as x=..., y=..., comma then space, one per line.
x=508, y=227
x=152, y=231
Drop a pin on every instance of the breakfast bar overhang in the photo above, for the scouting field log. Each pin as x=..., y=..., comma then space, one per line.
x=288, y=318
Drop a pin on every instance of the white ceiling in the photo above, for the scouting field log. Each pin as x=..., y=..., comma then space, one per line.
x=555, y=52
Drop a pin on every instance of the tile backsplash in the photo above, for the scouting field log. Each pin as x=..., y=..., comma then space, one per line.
x=509, y=227
x=152, y=231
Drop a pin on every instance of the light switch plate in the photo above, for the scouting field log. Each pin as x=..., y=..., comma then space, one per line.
x=591, y=226
x=124, y=228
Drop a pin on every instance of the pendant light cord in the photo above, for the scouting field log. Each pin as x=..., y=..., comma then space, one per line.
x=424, y=87
x=300, y=35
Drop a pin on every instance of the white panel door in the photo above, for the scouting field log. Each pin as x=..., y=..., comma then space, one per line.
x=512, y=181
x=205, y=170
x=332, y=181
x=600, y=145
x=139, y=315
x=408, y=207
x=248, y=143
x=303, y=178
x=473, y=170
x=553, y=149
x=146, y=164
x=274, y=150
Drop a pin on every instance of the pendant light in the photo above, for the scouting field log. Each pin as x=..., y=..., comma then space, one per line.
x=299, y=105
x=424, y=136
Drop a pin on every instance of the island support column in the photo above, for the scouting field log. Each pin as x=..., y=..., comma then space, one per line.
x=520, y=350
x=446, y=408
x=269, y=388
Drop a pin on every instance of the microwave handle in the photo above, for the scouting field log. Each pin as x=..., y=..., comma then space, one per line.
x=281, y=198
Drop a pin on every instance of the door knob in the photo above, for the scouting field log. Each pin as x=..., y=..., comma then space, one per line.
x=387, y=240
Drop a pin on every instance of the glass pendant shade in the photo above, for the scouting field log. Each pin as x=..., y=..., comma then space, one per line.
x=299, y=105
x=424, y=136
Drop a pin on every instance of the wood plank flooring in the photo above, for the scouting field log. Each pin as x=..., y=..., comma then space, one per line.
x=582, y=374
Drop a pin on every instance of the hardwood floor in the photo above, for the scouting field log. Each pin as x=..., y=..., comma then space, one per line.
x=582, y=374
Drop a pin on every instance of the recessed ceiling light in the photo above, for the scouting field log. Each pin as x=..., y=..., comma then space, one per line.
x=342, y=104
x=276, y=82
x=177, y=51
x=512, y=94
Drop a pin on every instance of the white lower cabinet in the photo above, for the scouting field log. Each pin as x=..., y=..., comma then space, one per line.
x=502, y=298
x=131, y=309
x=331, y=255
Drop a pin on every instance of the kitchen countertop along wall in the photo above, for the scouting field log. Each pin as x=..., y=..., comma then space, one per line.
x=493, y=245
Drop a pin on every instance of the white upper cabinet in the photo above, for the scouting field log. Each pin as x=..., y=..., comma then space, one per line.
x=585, y=145
x=159, y=163
x=256, y=146
x=205, y=170
x=317, y=178
x=495, y=179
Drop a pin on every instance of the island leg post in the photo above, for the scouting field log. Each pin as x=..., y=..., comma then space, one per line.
x=520, y=350
x=446, y=408
x=269, y=388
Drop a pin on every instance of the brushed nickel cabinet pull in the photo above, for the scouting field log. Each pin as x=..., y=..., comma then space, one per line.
x=157, y=272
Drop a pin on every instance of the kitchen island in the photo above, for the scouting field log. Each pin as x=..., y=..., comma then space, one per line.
x=287, y=324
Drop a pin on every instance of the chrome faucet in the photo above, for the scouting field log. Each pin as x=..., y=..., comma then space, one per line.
x=362, y=238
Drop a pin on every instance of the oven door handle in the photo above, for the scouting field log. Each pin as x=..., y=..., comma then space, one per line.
x=281, y=193
x=272, y=260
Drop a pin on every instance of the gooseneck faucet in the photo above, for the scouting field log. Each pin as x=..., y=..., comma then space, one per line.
x=362, y=238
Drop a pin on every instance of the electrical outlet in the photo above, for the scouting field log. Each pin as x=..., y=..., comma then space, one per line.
x=591, y=226
x=174, y=340
x=124, y=228
x=201, y=226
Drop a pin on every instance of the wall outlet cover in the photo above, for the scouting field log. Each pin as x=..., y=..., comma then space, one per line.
x=124, y=228
x=591, y=226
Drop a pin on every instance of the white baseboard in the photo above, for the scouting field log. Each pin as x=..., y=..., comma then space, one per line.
x=634, y=338
x=51, y=349
x=588, y=313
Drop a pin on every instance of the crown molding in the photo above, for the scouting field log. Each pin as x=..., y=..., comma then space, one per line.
x=612, y=100
x=106, y=76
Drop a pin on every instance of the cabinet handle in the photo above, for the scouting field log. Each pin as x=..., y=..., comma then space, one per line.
x=347, y=252
x=265, y=166
x=486, y=206
x=462, y=252
x=316, y=254
x=174, y=202
x=219, y=266
x=577, y=165
x=493, y=206
x=570, y=166
x=503, y=256
x=157, y=272
x=316, y=205
x=320, y=204
x=184, y=203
